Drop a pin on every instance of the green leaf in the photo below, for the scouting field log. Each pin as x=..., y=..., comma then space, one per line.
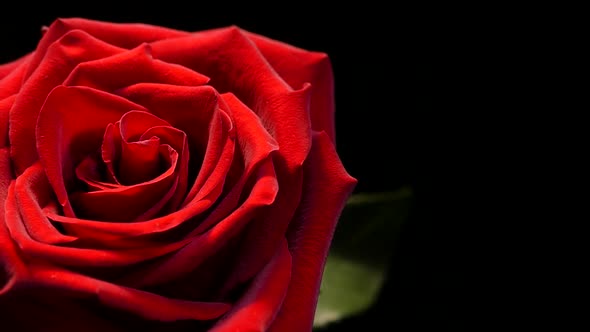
x=361, y=249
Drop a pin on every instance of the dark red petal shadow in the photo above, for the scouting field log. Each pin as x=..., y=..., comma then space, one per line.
x=144, y=304
x=258, y=306
x=5, y=105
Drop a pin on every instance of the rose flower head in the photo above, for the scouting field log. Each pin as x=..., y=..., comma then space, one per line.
x=160, y=180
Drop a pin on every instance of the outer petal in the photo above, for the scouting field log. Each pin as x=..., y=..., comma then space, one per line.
x=297, y=67
x=122, y=35
x=327, y=186
x=8, y=67
x=11, y=265
x=61, y=57
x=11, y=82
x=131, y=67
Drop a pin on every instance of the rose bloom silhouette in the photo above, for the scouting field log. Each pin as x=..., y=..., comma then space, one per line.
x=160, y=180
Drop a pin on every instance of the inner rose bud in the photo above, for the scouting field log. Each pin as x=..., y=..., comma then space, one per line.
x=140, y=155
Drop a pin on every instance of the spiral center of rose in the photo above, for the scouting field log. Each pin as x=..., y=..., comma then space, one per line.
x=140, y=153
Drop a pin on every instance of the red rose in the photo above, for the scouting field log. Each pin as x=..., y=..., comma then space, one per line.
x=154, y=179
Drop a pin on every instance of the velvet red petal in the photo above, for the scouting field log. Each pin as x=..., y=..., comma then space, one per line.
x=32, y=192
x=178, y=141
x=11, y=265
x=62, y=56
x=122, y=35
x=327, y=186
x=12, y=81
x=8, y=67
x=139, y=159
x=70, y=127
x=298, y=67
x=131, y=67
x=255, y=145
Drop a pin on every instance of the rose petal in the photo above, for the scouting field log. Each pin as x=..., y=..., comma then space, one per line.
x=178, y=141
x=8, y=67
x=62, y=56
x=5, y=105
x=187, y=108
x=133, y=124
x=263, y=235
x=131, y=67
x=32, y=191
x=327, y=186
x=70, y=127
x=147, y=305
x=11, y=82
x=111, y=152
x=11, y=265
x=122, y=35
x=297, y=67
x=138, y=159
x=255, y=145
x=88, y=172
x=125, y=35
x=75, y=256
x=261, y=302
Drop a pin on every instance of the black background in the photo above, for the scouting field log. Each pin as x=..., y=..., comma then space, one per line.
x=384, y=60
